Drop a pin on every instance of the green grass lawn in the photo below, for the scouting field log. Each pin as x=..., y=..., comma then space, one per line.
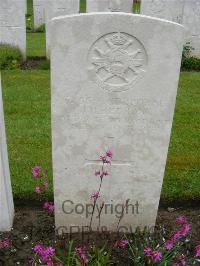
x=182, y=176
x=36, y=44
x=27, y=115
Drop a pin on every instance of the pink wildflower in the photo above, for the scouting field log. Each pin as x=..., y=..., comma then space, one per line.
x=177, y=235
x=50, y=263
x=95, y=195
x=181, y=259
x=35, y=170
x=185, y=229
x=121, y=243
x=97, y=173
x=81, y=251
x=102, y=205
x=38, y=249
x=105, y=173
x=46, y=205
x=5, y=243
x=38, y=189
x=147, y=251
x=103, y=158
x=46, y=253
x=169, y=244
x=49, y=206
x=181, y=220
x=109, y=154
x=46, y=185
x=50, y=251
x=197, y=251
x=156, y=256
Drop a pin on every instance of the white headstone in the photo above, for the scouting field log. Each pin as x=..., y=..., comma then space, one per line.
x=109, y=5
x=13, y=24
x=191, y=20
x=114, y=83
x=165, y=9
x=39, y=12
x=26, y=8
x=57, y=8
x=6, y=198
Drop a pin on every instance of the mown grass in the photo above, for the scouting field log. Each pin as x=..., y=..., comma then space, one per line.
x=182, y=176
x=36, y=44
x=27, y=113
x=27, y=116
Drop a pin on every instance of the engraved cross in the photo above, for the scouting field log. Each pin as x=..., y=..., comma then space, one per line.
x=113, y=163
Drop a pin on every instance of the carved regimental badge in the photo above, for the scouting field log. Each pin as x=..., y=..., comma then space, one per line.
x=117, y=60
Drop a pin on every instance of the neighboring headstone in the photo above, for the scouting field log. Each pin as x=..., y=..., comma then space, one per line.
x=165, y=9
x=114, y=83
x=39, y=13
x=109, y=5
x=13, y=24
x=6, y=198
x=58, y=8
x=26, y=8
x=191, y=20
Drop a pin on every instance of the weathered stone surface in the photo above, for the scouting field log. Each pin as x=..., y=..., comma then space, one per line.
x=6, y=198
x=191, y=20
x=25, y=5
x=57, y=8
x=13, y=24
x=109, y=5
x=114, y=83
x=39, y=12
x=165, y=9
